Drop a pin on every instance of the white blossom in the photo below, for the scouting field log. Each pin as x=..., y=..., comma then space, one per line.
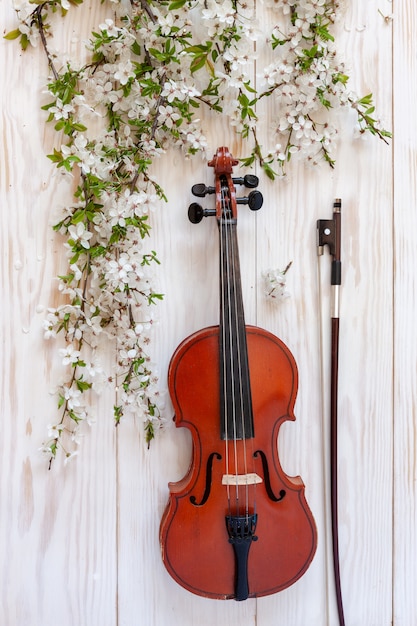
x=69, y=456
x=70, y=355
x=156, y=68
x=72, y=397
x=275, y=284
x=60, y=110
x=80, y=234
x=124, y=72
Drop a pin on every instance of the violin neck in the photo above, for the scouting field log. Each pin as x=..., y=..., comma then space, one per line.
x=235, y=390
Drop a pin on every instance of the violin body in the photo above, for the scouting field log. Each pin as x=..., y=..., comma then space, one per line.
x=194, y=537
x=236, y=526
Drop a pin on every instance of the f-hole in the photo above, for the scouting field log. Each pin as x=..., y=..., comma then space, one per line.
x=267, y=480
x=209, y=473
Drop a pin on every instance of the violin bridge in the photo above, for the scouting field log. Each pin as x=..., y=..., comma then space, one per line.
x=241, y=479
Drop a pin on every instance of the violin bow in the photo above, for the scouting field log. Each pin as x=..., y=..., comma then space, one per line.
x=329, y=233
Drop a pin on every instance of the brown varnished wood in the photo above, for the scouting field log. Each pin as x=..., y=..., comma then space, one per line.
x=194, y=539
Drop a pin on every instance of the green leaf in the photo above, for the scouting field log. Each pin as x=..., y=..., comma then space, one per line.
x=268, y=171
x=340, y=78
x=197, y=49
x=366, y=100
x=136, y=48
x=56, y=157
x=323, y=100
x=24, y=42
x=176, y=4
x=249, y=87
x=248, y=161
x=150, y=432
x=96, y=251
x=67, y=279
x=118, y=414
x=197, y=63
x=324, y=34
x=155, y=296
x=79, y=127
x=83, y=385
x=13, y=34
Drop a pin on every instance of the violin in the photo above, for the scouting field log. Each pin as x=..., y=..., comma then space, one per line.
x=236, y=526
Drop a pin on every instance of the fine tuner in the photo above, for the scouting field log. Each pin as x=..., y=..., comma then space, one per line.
x=254, y=200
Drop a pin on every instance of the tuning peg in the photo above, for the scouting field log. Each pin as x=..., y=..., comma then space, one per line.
x=250, y=181
x=255, y=200
x=200, y=190
x=196, y=213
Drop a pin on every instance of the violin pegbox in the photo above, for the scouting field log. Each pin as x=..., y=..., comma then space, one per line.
x=223, y=163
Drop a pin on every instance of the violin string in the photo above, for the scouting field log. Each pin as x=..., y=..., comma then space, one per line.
x=243, y=402
x=223, y=363
x=252, y=440
x=229, y=273
x=235, y=352
x=234, y=366
x=240, y=364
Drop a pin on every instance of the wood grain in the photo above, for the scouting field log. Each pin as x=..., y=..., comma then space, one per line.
x=79, y=544
x=58, y=528
x=404, y=296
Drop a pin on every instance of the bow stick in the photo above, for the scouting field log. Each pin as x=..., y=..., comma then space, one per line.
x=329, y=233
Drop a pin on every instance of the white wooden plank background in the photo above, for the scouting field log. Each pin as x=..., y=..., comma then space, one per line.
x=79, y=545
x=404, y=296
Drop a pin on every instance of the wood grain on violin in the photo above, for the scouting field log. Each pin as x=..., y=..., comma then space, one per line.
x=236, y=526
